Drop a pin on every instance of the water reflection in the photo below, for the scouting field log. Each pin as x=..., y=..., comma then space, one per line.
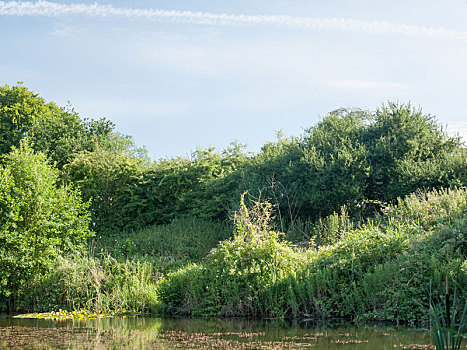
x=156, y=333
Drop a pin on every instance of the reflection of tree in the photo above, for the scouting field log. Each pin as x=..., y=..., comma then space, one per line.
x=154, y=333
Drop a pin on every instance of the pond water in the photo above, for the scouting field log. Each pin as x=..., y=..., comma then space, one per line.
x=156, y=333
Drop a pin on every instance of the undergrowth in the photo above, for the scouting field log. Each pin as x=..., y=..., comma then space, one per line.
x=385, y=269
x=96, y=283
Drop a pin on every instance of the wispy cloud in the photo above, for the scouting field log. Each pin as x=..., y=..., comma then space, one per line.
x=52, y=9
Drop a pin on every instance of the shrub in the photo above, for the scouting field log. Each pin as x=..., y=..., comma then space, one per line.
x=39, y=219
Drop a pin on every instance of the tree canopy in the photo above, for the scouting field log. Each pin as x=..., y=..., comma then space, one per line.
x=353, y=158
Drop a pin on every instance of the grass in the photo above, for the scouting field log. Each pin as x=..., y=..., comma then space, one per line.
x=184, y=240
x=94, y=282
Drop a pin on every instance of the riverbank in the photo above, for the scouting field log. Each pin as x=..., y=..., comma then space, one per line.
x=384, y=269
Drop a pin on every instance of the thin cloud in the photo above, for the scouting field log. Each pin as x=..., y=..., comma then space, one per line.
x=52, y=9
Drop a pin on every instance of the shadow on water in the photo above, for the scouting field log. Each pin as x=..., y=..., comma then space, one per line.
x=157, y=333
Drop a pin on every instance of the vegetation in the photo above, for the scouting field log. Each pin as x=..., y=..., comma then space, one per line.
x=167, y=247
x=362, y=217
x=385, y=269
x=95, y=283
x=39, y=220
x=445, y=332
x=229, y=280
x=78, y=314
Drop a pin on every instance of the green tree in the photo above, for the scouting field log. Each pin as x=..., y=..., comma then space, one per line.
x=356, y=159
x=39, y=219
x=62, y=135
x=103, y=174
x=410, y=151
x=334, y=166
x=58, y=132
x=19, y=109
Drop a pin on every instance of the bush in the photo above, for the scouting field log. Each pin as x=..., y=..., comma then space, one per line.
x=389, y=268
x=39, y=219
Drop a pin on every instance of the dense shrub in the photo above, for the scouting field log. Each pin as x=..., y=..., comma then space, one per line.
x=182, y=186
x=39, y=219
x=390, y=267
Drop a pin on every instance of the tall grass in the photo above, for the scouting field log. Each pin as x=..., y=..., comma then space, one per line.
x=94, y=283
x=184, y=240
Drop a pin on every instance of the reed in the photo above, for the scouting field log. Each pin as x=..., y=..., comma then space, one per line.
x=446, y=332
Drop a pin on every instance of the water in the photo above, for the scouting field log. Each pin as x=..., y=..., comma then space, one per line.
x=156, y=333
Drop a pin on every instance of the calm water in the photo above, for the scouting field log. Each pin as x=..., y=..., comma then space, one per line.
x=156, y=333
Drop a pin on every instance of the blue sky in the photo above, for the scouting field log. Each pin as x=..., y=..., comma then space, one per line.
x=179, y=75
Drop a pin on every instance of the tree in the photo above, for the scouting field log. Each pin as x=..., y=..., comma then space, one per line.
x=410, y=151
x=103, y=174
x=19, y=109
x=334, y=166
x=58, y=132
x=64, y=134
x=39, y=219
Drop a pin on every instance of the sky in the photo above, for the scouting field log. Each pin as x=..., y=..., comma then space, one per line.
x=179, y=75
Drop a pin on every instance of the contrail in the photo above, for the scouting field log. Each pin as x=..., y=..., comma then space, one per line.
x=53, y=9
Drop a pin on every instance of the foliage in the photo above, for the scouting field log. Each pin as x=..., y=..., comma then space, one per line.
x=57, y=132
x=19, y=108
x=336, y=189
x=81, y=314
x=229, y=281
x=445, y=332
x=185, y=239
x=384, y=269
x=271, y=175
x=39, y=219
x=94, y=283
x=352, y=158
x=178, y=186
x=102, y=174
x=64, y=134
x=410, y=151
x=334, y=165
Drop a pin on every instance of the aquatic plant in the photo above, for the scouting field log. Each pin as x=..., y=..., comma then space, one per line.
x=446, y=332
x=81, y=314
